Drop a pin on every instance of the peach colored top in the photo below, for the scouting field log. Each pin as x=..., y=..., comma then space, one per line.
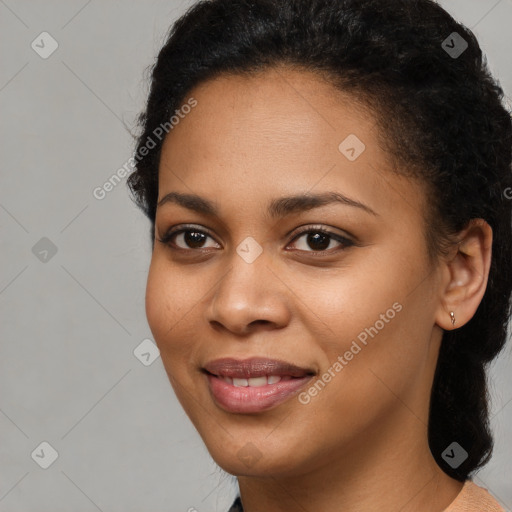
x=473, y=498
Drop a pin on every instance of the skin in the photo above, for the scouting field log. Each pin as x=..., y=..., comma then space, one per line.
x=361, y=443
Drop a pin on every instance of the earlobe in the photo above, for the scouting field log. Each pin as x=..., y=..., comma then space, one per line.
x=467, y=274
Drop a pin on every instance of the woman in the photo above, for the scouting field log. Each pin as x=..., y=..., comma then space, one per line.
x=327, y=182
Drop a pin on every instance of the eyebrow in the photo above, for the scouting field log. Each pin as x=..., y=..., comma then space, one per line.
x=277, y=208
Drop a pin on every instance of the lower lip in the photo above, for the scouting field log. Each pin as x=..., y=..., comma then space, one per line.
x=247, y=399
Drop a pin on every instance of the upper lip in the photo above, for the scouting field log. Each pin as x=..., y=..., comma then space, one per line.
x=254, y=367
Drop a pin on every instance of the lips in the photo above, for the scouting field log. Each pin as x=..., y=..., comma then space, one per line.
x=254, y=385
x=255, y=367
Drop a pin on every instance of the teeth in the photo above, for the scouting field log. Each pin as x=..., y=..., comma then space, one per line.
x=254, y=382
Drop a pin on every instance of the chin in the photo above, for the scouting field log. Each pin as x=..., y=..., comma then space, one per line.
x=246, y=458
x=262, y=467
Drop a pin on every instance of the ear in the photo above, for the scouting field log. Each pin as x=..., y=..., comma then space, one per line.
x=465, y=272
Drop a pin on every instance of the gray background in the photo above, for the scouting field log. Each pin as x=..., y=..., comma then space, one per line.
x=70, y=323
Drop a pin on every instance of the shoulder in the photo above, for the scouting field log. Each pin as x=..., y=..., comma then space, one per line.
x=473, y=498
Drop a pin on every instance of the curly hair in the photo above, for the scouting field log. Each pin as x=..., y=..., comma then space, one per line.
x=441, y=119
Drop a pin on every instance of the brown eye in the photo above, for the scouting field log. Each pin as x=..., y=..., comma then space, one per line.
x=193, y=239
x=187, y=238
x=320, y=240
x=315, y=240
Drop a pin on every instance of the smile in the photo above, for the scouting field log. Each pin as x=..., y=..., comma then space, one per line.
x=254, y=385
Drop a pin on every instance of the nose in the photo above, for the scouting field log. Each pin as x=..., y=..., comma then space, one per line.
x=249, y=297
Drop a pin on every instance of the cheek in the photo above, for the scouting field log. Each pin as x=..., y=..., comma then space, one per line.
x=373, y=323
x=165, y=304
x=156, y=301
x=343, y=304
x=169, y=309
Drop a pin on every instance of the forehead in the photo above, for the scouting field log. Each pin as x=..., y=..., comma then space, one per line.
x=279, y=132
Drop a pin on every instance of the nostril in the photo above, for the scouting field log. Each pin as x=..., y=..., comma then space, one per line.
x=259, y=322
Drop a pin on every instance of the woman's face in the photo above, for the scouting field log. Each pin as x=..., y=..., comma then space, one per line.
x=354, y=306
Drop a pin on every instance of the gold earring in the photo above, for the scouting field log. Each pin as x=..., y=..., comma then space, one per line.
x=452, y=317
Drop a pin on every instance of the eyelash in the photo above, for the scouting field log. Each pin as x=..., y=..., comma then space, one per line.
x=346, y=243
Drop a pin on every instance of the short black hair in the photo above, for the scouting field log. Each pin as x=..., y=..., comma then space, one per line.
x=442, y=120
